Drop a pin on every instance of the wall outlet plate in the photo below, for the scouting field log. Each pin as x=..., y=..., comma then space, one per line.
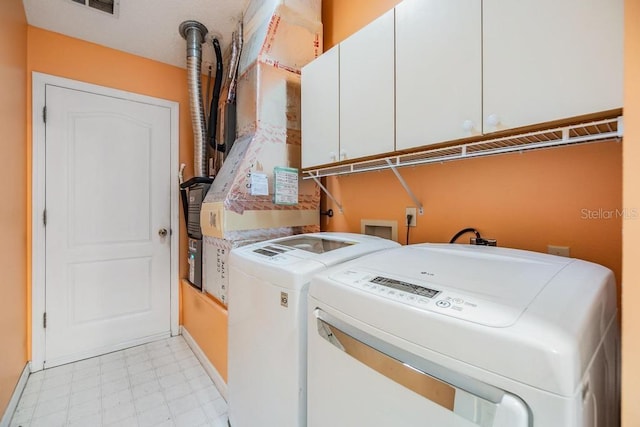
x=559, y=250
x=414, y=216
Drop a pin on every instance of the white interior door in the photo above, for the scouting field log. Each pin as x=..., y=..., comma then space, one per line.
x=107, y=202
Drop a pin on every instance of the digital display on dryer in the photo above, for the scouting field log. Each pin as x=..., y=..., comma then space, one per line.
x=405, y=287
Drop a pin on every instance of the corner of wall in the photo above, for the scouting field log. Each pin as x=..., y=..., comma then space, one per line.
x=13, y=217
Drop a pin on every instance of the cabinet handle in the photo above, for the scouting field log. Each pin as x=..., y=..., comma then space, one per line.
x=493, y=120
x=467, y=125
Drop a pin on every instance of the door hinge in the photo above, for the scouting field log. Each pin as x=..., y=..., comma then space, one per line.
x=44, y=114
x=44, y=320
x=44, y=217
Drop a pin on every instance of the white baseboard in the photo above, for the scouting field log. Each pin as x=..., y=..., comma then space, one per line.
x=213, y=373
x=15, y=397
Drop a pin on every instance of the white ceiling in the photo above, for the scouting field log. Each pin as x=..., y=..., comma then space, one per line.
x=147, y=28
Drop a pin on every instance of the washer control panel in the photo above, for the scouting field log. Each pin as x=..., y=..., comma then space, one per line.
x=271, y=250
x=272, y=253
x=429, y=297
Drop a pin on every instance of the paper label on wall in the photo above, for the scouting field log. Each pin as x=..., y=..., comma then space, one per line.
x=259, y=184
x=285, y=186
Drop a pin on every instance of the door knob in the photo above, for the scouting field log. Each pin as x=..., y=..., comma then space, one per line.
x=163, y=232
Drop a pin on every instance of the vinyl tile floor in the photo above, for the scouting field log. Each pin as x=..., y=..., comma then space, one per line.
x=156, y=384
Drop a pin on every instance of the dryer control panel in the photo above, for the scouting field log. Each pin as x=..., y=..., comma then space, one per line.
x=425, y=296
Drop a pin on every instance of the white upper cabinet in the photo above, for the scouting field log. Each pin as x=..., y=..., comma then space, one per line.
x=367, y=90
x=438, y=71
x=433, y=71
x=550, y=59
x=320, y=110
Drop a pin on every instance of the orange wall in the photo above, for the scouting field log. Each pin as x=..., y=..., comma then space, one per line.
x=13, y=304
x=342, y=18
x=524, y=200
x=631, y=229
x=206, y=321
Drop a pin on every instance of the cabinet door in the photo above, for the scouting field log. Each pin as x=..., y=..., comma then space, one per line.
x=320, y=110
x=367, y=90
x=438, y=71
x=545, y=60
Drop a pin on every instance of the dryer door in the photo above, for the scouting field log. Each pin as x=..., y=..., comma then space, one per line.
x=356, y=379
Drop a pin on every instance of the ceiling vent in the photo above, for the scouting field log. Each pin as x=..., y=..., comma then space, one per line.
x=107, y=6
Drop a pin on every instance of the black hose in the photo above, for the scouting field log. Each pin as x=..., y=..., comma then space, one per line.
x=196, y=180
x=463, y=231
x=229, y=126
x=208, y=92
x=213, y=109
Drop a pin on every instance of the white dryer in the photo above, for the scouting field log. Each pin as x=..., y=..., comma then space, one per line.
x=455, y=335
x=268, y=283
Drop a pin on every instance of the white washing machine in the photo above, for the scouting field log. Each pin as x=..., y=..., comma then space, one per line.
x=268, y=284
x=464, y=336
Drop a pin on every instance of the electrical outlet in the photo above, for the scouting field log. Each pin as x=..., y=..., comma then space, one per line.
x=559, y=250
x=414, y=217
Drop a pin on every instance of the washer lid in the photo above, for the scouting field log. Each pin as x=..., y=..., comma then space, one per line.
x=507, y=276
x=315, y=244
x=490, y=286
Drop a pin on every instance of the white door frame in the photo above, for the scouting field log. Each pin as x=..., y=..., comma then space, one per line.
x=38, y=253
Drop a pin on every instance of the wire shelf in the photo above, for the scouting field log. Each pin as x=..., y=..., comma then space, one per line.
x=601, y=130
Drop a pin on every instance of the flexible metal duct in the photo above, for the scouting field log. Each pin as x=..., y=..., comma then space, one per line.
x=194, y=33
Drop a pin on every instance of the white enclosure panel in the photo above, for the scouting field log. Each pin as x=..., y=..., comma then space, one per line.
x=320, y=109
x=438, y=71
x=107, y=196
x=367, y=97
x=545, y=60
